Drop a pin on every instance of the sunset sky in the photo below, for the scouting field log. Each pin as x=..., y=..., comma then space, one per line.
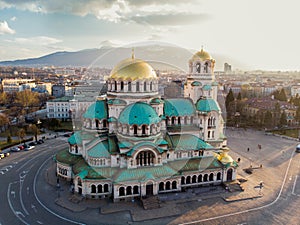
x=262, y=34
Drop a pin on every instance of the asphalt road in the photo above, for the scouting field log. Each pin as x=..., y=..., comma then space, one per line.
x=18, y=174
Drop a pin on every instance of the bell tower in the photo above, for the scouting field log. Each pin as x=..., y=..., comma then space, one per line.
x=201, y=79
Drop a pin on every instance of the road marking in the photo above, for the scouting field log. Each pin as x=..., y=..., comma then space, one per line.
x=27, y=190
x=252, y=209
x=20, y=195
x=294, y=186
x=34, y=208
x=20, y=213
x=39, y=201
x=13, y=194
x=39, y=222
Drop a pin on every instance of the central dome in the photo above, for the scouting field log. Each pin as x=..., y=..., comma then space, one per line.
x=132, y=69
x=202, y=55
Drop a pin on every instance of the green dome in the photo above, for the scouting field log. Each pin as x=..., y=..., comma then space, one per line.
x=196, y=83
x=97, y=110
x=178, y=107
x=207, y=105
x=138, y=113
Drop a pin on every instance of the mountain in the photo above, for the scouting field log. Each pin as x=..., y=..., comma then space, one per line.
x=107, y=56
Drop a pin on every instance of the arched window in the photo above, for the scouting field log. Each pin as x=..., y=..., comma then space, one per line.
x=173, y=120
x=99, y=188
x=144, y=127
x=104, y=123
x=198, y=67
x=200, y=178
x=151, y=86
x=135, y=128
x=122, y=86
x=97, y=123
x=93, y=188
x=137, y=86
x=219, y=176
x=205, y=178
x=105, y=187
x=185, y=120
x=145, y=86
x=182, y=180
x=174, y=185
x=116, y=85
x=135, y=190
x=79, y=182
x=208, y=134
x=145, y=158
x=161, y=186
x=129, y=190
x=76, y=149
x=211, y=177
x=121, y=191
x=129, y=86
x=206, y=68
x=179, y=120
x=188, y=180
x=168, y=185
x=194, y=179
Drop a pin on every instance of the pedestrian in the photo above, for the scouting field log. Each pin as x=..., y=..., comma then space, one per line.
x=248, y=149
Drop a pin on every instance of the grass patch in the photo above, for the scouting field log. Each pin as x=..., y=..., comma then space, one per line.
x=290, y=133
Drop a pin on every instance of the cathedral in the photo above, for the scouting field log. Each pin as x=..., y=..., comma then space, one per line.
x=133, y=143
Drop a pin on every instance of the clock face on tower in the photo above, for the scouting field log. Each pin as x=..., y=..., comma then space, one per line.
x=198, y=67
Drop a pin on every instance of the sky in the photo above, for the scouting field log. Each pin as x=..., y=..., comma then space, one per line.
x=261, y=34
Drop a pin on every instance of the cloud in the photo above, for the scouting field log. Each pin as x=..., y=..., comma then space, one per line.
x=13, y=18
x=5, y=29
x=39, y=40
x=170, y=19
x=115, y=10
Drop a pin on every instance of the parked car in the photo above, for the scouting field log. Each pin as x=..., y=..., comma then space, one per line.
x=32, y=143
x=15, y=149
x=298, y=148
x=40, y=141
x=21, y=147
x=30, y=147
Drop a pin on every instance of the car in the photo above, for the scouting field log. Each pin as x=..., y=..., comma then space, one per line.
x=15, y=149
x=40, y=141
x=21, y=147
x=29, y=148
x=298, y=148
x=32, y=143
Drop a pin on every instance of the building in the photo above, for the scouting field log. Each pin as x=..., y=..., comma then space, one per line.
x=133, y=143
x=17, y=85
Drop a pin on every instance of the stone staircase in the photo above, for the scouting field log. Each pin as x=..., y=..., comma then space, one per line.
x=151, y=202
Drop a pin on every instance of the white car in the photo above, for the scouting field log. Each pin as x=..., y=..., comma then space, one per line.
x=15, y=149
x=29, y=148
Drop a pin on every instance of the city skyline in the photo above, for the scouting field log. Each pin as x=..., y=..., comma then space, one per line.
x=259, y=34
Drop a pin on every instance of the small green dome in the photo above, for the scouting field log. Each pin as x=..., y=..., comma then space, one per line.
x=97, y=110
x=138, y=113
x=207, y=105
x=196, y=83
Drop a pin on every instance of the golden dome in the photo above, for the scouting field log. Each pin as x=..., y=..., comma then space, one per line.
x=132, y=69
x=224, y=157
x=202, y=55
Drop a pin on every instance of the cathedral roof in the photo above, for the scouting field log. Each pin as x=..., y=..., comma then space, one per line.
x=196, y=83
x=178, y=107
x=207, y=105
x=139, y=113
x=186, y=142
x=201, y=55
x=97, y=110
x=133, y=69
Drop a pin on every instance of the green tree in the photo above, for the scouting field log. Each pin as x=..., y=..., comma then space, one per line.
x=282, y=95
x=282, y=121
x=35, y=130
x=26, y=99
x=21, y=134
x=229, y=98
x=268, y=119
x=3, y=98
x=8, y=140
x=239, y=97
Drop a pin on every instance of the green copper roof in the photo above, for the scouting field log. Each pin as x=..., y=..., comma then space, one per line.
x=84, y=171
x=112, y=119
x=67, y=158
x=144, y=173
x=125, y=144
x=207, y=105
x=116, y=101
x=138, y=113
x=97, y=110
x=75, y=138
x=215, y=83
x=179, y=107
x=196, y=83
x=196, y=164
x=207, y=87
x=186, y=142
x=161, y=141
x=100, y=150
x=156, y=101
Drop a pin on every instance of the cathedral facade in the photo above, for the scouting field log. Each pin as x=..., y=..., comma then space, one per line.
x=133, y=143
